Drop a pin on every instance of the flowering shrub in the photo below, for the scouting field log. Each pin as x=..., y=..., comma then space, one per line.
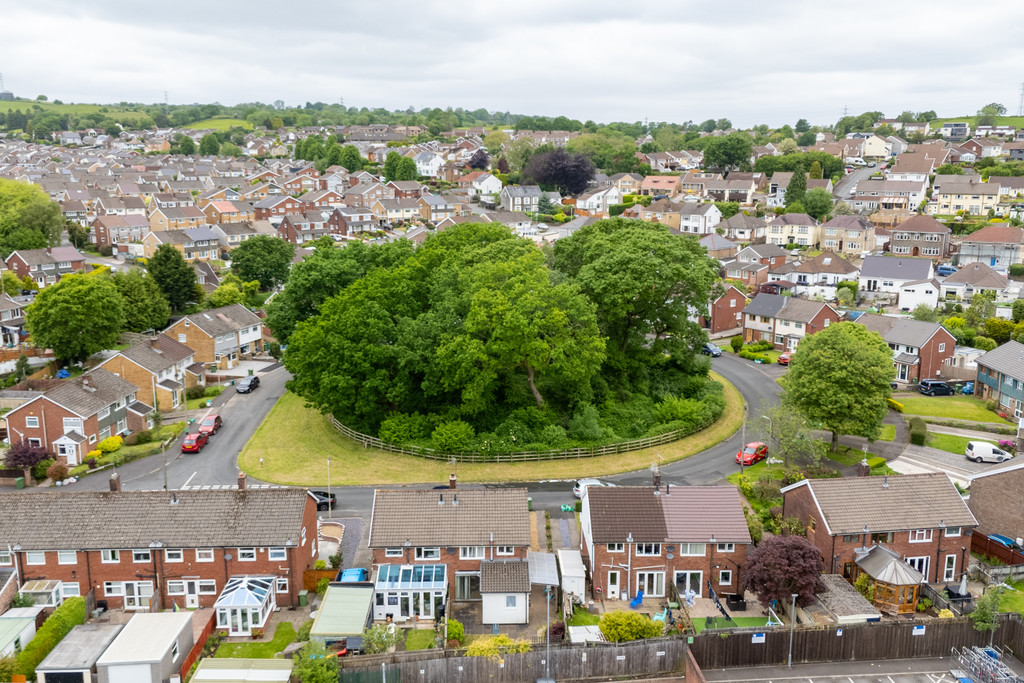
x=94, y=454
x=1007, y=444
x=110, y=444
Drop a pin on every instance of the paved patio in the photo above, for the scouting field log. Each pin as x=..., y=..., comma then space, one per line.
x=470, y=614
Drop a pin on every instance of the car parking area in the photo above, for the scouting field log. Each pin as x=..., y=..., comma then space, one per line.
x=927, y=670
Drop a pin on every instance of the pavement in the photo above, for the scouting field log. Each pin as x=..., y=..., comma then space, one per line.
x=925, y=670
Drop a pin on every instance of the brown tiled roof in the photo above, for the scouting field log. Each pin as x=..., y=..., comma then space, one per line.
x=450, y=518
x=923, y=224
x=899, y=503
x=159, y=353
x=135, y=519
x=90, y=393
x=504, y=576
x=996, y=234
x=682, y=514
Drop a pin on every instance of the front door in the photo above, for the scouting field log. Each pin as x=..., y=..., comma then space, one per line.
x=690, y=580
x=191, y=594
x=950, y=571
x=613, y=585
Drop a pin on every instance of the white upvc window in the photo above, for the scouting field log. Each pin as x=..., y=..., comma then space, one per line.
x=31, y=422
x=952, y=531
x=648, y=549
x=725, y=577
x=142, y=555
x=282, y=584
x=35, y=557
x=174, y=555
x=471, y=552
x=615, y=547
x=5, y=558
x=692, y=549
x=204, y=554
x=726, y=547
x=921, y=536
x=67, y=557
x=277, y=554
x=110, y=556
x=428, y=553
x=392, y=552
x=207, y=587
x=70, y=589
x=506, y=550
x=113, y=588
x=175, y=587
x=247, y=554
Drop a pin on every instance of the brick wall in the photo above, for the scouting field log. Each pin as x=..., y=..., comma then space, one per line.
x=931, y=358
x=605, y=561
x=51, y=424
x=724, y=311
x=195, y=339
x=452, y=561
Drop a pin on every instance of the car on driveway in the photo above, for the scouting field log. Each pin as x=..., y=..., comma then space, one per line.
x=1006, y=541
x=211, y=424
x=753, y=452
x=247, y=384
x=580, y=489
x=784, y=357
x=710, y=349
x=935, y=387
x=194, y=442
x=324, y=500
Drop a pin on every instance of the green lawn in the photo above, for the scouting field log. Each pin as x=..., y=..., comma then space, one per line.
x=1012, y=601
x=581, y=617
x=737, y=622
x=957, y=407
x=284, y=635
x=757, y=470
x=951, y=443
x=211, y=392
x=294, y=441
x=419, y=639
x=220, y=124
x=888, y=433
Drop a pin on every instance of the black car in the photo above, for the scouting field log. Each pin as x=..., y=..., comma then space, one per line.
x=711, y=350
x=247, y=384
x=935, y=387
x=324, y=500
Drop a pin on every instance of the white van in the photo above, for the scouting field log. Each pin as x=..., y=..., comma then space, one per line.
x=982, y=451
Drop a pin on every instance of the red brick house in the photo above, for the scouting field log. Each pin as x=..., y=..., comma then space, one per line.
x=70, y=416
x=46, y=266
x=299, y=228
x=641, y=537
x=347, y=220
x=429, y=546
x=785, y=320
x=726, y=312
x=919, y=348
x=995, y=499
x=275, y=207
x=158, y=549
x=922, y=517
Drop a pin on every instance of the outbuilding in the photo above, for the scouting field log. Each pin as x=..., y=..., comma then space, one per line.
x=212, y=670
x=505, y=591
x=149, y=649
x=573, y=574
x=345, y=611
x=74, y=658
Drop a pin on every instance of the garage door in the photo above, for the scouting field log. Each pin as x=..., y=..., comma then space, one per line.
x=61, y=677
x=130, y=673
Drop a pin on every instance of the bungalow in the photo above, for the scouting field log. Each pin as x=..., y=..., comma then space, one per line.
x=654, y=185
x=884, y=275
x=220, y=335
x=785, y=320
x=742, y=227
x=972, y=279
x=71, y=416
x=919, y=348
x=719, y=247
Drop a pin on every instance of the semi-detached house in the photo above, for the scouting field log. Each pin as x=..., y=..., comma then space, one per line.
x=919, y=348
x=161, y=367
x=1001, y=377
x=785, y=320
x=220, y=335
x=73, y=415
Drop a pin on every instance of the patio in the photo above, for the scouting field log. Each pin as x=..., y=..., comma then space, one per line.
x=470, y=615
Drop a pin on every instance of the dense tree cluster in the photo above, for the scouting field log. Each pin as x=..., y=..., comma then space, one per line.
x=29, y=219
x=477, y=340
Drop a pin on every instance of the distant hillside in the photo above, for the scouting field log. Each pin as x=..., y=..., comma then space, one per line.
x=220, y=124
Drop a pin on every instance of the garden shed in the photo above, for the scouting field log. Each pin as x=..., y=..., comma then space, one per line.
x=74, y=658
x=211, y=670
x=573, y=574
x=15, y=632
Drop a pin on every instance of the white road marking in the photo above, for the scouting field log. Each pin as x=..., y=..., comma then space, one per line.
x=185, y=485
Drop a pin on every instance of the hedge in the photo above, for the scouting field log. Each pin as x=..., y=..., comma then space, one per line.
x=759, y=346
x=918, y=431
x=875, y=462
x=753, y=356
x=895, y=405
x=1017, y=269
x=70, y=614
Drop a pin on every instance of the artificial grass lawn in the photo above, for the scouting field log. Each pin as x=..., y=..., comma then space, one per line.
x=888, y=433
x=581, y=617
x=294, y=442
x=957, y=407
x=419, y=639
x=951, y=443
x=283, y=635
x=736, y=622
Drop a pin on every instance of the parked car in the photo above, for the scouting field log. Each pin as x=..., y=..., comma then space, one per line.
x=871, y=165
x=753, y=452
x=580, y=489
x=710, y=349
x=211, y=424
x=935, y=387
x=194, y=442
x=983, y=451
x=1006, y=541
x=247, y=384
x=945, y=270
x=353, y=575
x=324, y=500
x=784, y=357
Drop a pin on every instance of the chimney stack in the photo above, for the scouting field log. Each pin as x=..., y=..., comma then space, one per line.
x=242, y=481
x=451, y=480
x=657, y=479
x=115, y=483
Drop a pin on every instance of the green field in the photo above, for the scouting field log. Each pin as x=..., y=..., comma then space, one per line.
x=28, y=106
x=1017, y=121
x=219, y=124
x=957, y=407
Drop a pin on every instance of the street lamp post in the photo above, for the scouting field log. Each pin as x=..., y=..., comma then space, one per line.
x=792, y=624
x=329, y=506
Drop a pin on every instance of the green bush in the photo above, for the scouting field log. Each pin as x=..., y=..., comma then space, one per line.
x=1017, y=269
x=322, y=585
x=303, y=633
x=918, y=431
x=553, y=436
x=456, y=631
x=585, y=425
x=145, y=436
x=895, y=405
x=453, y=436
x=736, y=343
x=403, y=428
x=70, y=614
x=619, y=626
x=197, y=391
x=875, y=462
x=753, y=356
x=848, y=284
x=58, y=471
x=39, y=469
x=110, y=444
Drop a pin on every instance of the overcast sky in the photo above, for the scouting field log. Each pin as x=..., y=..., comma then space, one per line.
x=750, y=61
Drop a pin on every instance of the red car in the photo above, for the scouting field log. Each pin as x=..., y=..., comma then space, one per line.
x=784, y=358
x=753, y=452
x=211, y=424
x=194, y=442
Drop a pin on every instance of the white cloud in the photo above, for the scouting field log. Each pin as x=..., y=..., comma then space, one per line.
x=600, y=60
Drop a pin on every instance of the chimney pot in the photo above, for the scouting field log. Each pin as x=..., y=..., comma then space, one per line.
x=451, y=480
x=115, y=482
x=657, y=479
x=242, y=481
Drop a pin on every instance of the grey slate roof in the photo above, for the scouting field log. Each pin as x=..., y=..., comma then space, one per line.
x=899, y=268
x=903, y=503
x=449, y=518
x=504, y=576
x=714, y=241
x=785, y=307
x=1007, y=359
x=681, y=514
x=90, y=393
x=900, y=330
x=741, y=221
x=134, y=519
x=80, y=648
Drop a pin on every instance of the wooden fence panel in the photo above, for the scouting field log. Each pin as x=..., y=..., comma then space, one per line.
x=983, y=545
x=311, y=577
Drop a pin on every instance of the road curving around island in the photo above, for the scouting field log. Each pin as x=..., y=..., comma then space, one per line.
x=292, y=446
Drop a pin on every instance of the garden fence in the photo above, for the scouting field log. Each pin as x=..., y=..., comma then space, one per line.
x=368, y=441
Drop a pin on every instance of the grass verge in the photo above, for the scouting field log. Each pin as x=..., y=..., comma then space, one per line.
x=283, y=635
x=294, y=442
x=951, y=443
x=959, y=407
x=888, y=433
x=419, y=639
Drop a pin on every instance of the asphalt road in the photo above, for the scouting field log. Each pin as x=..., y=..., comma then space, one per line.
x=846, y=185
x=215, y=465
